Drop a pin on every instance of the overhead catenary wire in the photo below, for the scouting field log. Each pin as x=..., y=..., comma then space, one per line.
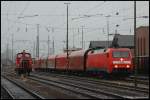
x=26, y=6
x=87, y=16
x=70, y=28
x=74, y=28
x=13, y=14
x=113, y=11
x=29, y=24
x=97, y=15
x=91, y=30
x=99, y=5
x=46, y=26
x=8, y=20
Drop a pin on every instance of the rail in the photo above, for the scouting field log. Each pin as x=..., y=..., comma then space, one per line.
x=77, y=84
x=35, y=95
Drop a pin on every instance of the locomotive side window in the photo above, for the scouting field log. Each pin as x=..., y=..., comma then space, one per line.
x=118, y=54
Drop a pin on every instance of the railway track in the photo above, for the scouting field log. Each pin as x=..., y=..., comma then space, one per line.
x=139, y=80
x=5, y=94
x=129, y=79
x=76, y=90
x=119, y=84
x=85, y=91
x=17, y=91
x=44, y=90
x=111, y=91
x=140, y=77
x=89, y=88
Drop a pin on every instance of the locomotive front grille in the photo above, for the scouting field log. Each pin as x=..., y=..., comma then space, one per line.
x=120, y=70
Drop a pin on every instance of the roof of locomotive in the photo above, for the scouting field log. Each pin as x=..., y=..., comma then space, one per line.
x=19, y=55
x=24, y=52
x=122, y=49
x=102, y=50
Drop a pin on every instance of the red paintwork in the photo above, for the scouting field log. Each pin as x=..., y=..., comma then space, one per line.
x=37, y=63
x=101, y=61
x=97, y=60
x=20, y=57
x=76, y=60
x=61, y=61
x=43, y=62
x=111, y=65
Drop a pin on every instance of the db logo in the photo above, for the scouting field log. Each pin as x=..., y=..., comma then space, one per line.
x=121, y=59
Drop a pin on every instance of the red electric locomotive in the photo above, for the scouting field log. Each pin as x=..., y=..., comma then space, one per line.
x=23, y=63
x=112, y=60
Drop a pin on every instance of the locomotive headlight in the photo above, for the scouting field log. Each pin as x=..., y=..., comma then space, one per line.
x=116, y=66
x=128, y=66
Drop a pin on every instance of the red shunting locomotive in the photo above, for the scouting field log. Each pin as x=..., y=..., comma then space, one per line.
x=23, y=63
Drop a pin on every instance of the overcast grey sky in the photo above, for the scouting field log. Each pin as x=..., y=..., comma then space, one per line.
x=52, y=17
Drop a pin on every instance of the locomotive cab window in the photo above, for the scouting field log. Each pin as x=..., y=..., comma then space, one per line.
x=19, y=55
x=118, y=54
x=27, y=55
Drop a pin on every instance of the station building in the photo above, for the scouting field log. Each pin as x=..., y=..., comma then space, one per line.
x=142, y=49
x=142, y=41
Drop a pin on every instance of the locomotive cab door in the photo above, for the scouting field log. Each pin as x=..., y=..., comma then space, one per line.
x=25, y=66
